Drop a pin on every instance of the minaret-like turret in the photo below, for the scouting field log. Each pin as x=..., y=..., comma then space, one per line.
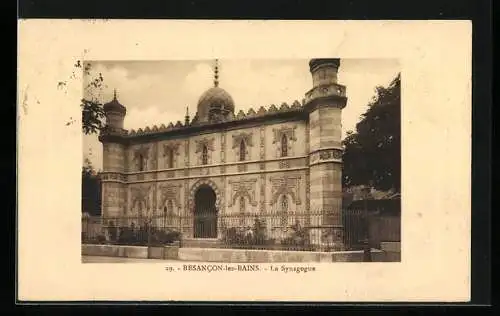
x=115, y=113
x=324, y=103
x=114, y=161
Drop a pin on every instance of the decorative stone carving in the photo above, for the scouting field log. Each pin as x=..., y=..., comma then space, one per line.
x=174, y=146
x=308, y=179
x=246, y=137
x=223, y=151
x=200, y=143
x=262, y=147
x=170, y=192
x=284, y=164
x=186, y=157
x=325, y=154
x=245, y=188
x=289, y=132
x=141, y=152
x=140, y=197
x=209, y=142
x=262, y=192
x=285, y=185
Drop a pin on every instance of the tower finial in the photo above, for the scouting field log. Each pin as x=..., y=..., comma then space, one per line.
x=186, y=118
x=216, y=76
x=114, y=94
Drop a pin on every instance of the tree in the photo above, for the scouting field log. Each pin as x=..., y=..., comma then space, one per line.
x=92, y=108
x=372, y=154
x=91, y=189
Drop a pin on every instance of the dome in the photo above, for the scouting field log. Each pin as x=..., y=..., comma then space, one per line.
x=114, y=106
x=215, y=100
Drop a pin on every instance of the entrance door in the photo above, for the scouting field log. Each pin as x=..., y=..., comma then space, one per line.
x=205, y=213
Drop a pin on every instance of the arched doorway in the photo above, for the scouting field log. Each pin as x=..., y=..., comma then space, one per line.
x=205, y=213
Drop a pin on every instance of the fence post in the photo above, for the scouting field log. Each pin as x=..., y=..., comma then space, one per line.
x=367, y=256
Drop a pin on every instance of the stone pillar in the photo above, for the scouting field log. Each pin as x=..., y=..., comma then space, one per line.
x=324, y=103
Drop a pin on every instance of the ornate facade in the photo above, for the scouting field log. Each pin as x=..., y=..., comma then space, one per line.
x=273, y=159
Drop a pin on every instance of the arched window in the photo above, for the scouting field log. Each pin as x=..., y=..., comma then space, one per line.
x=170, y=154
x=242, y=150
x=242, y=210
x=284, y=146
x=141, y=162
x=204, y=155
x=164, y=222
x=242, y=204
x=284, y=210
x=170, y=214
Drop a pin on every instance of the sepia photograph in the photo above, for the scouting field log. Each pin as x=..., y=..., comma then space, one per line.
x=241, y=160
x=295, y=161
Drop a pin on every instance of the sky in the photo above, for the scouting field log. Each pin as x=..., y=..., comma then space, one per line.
x=158, y=92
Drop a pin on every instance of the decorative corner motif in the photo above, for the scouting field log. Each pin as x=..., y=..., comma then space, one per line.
x=140, y=196
x=208, y=142
x=245, y=188
x=171, y=146
x=170, y=192
x=285, y=185
x=141, y=153
x=289, y=131
x=245, y=137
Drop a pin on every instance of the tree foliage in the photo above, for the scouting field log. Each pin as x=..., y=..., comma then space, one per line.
x=372, y=154
x=91, y=189
x=92, y=108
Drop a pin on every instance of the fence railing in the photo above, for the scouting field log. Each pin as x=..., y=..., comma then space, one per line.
x=292, y=231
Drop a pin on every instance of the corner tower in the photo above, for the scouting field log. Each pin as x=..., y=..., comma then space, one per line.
x=324, y=103
x=114, y=163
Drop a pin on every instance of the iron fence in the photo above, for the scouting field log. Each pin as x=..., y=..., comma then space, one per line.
x=297, y=231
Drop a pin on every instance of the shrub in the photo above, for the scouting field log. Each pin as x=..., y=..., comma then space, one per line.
x=127, y=236
x=254, y=236
x=101, y=239
x=299, y=236
x=165, y=237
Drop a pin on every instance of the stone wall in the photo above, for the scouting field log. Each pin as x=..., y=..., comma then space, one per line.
x=229, y=255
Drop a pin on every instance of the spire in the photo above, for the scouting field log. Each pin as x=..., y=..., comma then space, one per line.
x=216, y=76
x=186, y=118
x=114, y=95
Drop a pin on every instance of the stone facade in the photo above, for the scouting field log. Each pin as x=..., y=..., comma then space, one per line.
x=259, y=159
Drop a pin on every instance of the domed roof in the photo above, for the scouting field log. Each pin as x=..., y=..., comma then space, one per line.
x=216, y=97
x=114, y=106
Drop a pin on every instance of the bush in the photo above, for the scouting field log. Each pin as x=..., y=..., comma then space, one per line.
x=131, y=236
x=299, y=236
x=165, y=237
x=127, y=236
x=254, y=236
x=101, y=239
